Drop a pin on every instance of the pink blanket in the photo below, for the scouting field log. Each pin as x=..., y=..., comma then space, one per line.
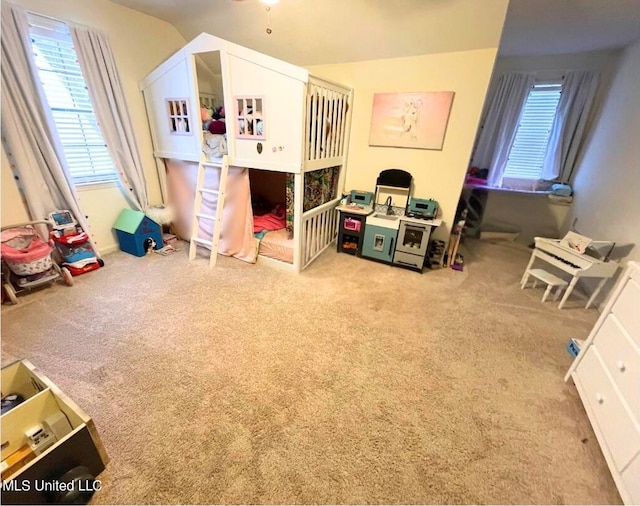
x=236, y=234
x=275, y=220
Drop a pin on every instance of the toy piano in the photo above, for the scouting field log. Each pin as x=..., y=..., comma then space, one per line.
x=571, y=261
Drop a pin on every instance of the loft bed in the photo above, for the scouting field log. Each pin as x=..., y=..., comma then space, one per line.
x=259, y=215
x=276, y=118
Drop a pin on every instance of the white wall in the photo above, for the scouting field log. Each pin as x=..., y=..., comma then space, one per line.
x=553, y=65
x=140, y=42
x=537, y=215
x=607, y=180
x=437, y=174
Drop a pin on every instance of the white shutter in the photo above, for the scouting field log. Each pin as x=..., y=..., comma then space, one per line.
x=532, y=137
x=84, y=147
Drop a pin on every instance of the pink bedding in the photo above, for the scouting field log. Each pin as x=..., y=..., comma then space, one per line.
x=277, y=244
x=274, y=220
x=236, y=235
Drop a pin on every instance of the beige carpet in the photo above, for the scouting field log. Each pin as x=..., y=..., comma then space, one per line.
x=354, y=382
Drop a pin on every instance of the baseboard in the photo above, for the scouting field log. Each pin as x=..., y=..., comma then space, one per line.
x=109, y=249
x=275, y=262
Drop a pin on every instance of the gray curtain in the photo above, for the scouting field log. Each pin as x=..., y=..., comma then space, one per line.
x=568, y=130
x=99, y=70
x=503, y=110
x=31, y=142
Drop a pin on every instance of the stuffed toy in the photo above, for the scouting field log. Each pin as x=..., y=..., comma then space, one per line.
x=206, y=114
x=149, y=245
x=217, y=127
x=218, y=113
x=214, y=145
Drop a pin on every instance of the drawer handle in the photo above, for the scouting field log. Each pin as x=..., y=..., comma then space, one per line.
x=620, y=365
x=600, y=398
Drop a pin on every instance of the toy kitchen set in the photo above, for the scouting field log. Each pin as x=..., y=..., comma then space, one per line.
x=388, y=225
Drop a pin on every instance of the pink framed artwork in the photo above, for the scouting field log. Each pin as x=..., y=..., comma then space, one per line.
x=410, y=120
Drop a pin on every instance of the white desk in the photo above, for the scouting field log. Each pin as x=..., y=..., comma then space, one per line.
x=572, y=262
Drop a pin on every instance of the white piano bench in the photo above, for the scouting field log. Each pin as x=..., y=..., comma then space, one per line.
x=546, y=277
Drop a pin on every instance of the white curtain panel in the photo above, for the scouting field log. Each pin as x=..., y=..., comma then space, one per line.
x=32, y=145
x=501, y=123
x=99, y=70
x=568, y=130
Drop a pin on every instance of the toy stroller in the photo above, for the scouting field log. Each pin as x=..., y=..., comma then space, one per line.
x=26, y=260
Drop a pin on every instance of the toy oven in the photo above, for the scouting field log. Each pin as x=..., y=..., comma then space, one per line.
x=413, y=238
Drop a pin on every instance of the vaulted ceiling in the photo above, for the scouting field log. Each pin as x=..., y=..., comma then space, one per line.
x=545, y=27
x=308, y=32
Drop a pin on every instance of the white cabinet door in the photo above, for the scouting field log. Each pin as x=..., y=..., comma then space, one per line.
x=616, y=424
x=627, y=309
x=631, y=480
x=622, y=359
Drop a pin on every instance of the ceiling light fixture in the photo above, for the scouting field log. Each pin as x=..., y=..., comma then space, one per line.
x=268, y=4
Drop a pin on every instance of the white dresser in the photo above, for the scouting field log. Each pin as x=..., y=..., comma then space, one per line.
x=607, y=376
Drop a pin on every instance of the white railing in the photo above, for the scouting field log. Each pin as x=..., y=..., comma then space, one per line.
x=327, y=108
x=319, y=230
x=207, y=100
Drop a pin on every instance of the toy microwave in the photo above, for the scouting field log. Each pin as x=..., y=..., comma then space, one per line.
x=361, y=197
x=423, y=208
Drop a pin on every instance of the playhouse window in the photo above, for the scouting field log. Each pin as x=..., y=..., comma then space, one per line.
x=250, y=117
x=178, y=116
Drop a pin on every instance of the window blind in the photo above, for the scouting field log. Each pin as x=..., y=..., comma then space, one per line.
x=532, y=136
x=66, y=92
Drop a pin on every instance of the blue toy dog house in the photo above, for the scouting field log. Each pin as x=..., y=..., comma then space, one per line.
x=135, y=230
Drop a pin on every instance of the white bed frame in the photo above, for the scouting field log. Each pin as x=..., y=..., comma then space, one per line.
x=207, y=99
x=297, y=110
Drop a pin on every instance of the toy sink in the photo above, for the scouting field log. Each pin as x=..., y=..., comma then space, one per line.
x=384, y=220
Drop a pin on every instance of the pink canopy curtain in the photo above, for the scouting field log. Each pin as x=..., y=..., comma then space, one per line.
x=236, y=235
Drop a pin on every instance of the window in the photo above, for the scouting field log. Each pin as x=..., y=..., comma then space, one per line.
x=249, y=117
x=532, y=136
x=178, y=116
x=84, y=147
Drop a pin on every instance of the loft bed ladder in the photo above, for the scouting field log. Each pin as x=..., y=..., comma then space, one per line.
x=197, y=209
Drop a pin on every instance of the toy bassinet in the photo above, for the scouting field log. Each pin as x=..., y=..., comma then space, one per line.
x=24, y=251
